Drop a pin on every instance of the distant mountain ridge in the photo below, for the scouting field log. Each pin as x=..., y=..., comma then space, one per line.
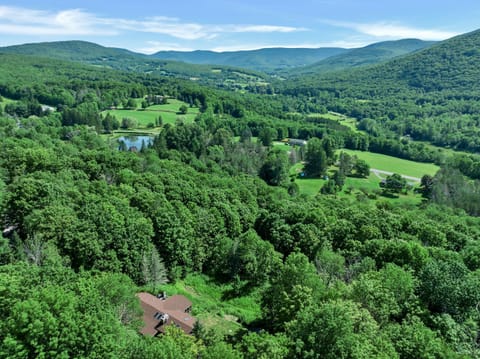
x=449, y=65
x=301, y=60
x=368, y=55
x=74, y=50
x=125, y=60
x=285, y=61
x=267, y=60
x=431, y=95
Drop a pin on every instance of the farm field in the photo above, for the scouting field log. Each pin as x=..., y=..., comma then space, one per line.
x=370, y=185
x=350, y=122
x=172, y=106
x=357, y=187
x=394, y=164
x=169, y=113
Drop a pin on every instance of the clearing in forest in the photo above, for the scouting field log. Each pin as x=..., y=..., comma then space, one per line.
x=147, y=117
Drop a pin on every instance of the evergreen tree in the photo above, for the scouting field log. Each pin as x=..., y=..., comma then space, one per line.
x=315, y=158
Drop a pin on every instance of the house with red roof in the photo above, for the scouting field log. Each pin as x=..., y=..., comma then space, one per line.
x=160, y=311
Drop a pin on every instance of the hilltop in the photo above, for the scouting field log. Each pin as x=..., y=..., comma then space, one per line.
x=125, y=60
x=431, y=95
x=267, y=60
x=368, y=55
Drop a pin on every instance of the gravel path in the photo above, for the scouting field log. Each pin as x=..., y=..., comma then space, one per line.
x=377, y=173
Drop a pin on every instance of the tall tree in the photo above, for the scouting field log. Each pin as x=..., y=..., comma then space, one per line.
x=315, y=158
x=153, y=269
x=395, y=183
x=275, y=168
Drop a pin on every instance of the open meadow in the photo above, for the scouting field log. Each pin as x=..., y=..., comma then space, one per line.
x=394, y=164
x=371, y=185
x=147, y=117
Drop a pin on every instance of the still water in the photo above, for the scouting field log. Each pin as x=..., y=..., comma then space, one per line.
x=134, y=142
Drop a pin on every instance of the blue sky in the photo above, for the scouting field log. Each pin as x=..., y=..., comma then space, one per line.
x=229, y=25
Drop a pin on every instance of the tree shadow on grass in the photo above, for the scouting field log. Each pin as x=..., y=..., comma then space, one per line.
x=239, y=289
x=390, y=194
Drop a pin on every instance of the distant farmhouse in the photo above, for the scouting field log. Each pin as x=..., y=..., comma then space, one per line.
x=296, y=142
x=161, y=311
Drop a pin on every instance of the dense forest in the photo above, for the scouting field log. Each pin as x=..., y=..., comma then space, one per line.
x=216, y=75
x=87, y=223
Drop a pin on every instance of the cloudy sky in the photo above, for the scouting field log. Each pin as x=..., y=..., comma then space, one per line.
x=228, y=25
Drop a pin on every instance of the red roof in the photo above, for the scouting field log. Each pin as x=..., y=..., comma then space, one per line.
x=177, y=308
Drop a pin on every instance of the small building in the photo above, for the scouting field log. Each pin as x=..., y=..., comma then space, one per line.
x=162, y=310
x=296, y=142
x=46, y=108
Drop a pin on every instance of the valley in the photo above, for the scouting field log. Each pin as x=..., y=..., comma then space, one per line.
x=297, y=202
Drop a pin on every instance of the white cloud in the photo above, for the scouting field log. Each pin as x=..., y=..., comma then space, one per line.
x=21, y=21
x=192, y=31
x=164, y=26
x=16, y=21
x=388, y=30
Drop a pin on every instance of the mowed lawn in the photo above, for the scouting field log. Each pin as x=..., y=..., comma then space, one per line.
x=394, y=164
x=350, y=122
x=172, y=106
x=312, y=186
x=143, y=118
x=371, y=184
x=169, y=113
x=309, y=186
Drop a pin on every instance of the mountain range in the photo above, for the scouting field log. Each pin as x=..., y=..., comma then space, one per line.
x=125, y=60
x=267, y=60
x=287, y=61
x=303, y=60
x=368, y=55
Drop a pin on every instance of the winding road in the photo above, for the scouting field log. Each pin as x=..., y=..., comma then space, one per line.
x=377, y=173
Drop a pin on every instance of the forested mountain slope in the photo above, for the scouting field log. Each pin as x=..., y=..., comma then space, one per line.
x=120, y=59
x=71, y=50
x=368, y=55
x=268, y=60
x=431, y=95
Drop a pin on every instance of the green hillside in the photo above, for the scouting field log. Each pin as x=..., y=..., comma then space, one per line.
x=368, y=55
x=71, y=50
x=268, y=60
x=431, y=95
x=121, y=59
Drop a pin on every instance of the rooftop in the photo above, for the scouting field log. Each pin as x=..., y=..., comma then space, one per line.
x=177, y=309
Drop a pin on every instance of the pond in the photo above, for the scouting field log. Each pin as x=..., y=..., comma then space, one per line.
x=132, y=142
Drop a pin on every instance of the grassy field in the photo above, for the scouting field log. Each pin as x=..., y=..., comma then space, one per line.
x=143, y=118
x=358, y=188
x=169, y=113
x=210, y=305
x=369, y=187
x=350, y=122
x=396, y=165
x=306, y=186
x=172, y=106
x=309, y=186
x=282, y=146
